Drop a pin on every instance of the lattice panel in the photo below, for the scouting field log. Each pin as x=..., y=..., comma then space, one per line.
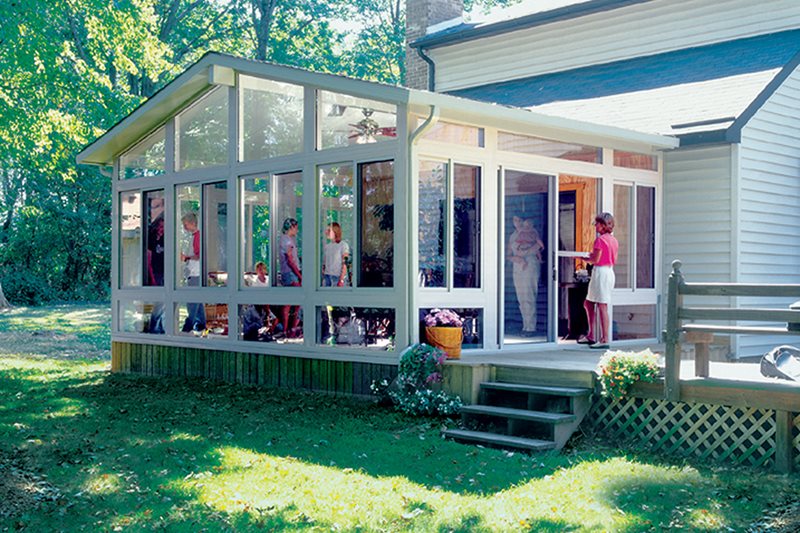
x=715, y=432
x=796, y=442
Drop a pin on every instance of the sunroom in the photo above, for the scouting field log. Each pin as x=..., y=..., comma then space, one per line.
x=264, y=209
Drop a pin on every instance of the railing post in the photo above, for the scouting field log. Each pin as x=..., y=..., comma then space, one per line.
x=672, y=336
x=784, y=448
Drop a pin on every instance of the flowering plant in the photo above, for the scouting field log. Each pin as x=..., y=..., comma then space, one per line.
x=443, y=318
x=420, y=368
x=619, y=370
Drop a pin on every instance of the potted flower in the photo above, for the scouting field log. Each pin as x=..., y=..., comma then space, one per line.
x=618, y=371
x=443, y=330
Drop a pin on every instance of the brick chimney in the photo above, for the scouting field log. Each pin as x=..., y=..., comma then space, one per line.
x=420, y=14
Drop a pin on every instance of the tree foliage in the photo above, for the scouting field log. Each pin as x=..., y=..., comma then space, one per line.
x=70, y=69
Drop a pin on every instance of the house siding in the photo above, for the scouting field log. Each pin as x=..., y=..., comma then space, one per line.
x=608, y=36
x=770, y=201
x=698, y=221
x=697, y=213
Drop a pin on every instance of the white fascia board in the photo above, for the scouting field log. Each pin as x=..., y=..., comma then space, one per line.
x=213, y=69
x=523, y=120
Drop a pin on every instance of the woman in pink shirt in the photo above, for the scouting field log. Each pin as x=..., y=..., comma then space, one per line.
x=603, y=257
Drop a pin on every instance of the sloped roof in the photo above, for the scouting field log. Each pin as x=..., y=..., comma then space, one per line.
x=219, y=69
x=691, y=91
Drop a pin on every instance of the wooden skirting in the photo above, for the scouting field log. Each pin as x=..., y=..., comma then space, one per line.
x=752, y=436
x=333, y=377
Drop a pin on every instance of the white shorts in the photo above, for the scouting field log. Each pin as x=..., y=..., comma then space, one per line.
x=601, y=285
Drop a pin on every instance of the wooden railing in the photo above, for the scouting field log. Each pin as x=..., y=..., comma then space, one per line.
x=691, y=324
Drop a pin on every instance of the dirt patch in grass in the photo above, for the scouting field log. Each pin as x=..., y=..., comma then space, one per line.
x=22, y=491
x=784, y=519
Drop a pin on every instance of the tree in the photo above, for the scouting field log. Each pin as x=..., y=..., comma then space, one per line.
x=71, y=69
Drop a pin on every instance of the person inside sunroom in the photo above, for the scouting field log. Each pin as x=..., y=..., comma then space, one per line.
x=335, y=254
x=155, y=270
x=261, y=279
x=190, y=255
x=291, y=275
x=525, y=248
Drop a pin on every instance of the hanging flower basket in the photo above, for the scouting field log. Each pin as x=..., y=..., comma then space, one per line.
x=446, y=338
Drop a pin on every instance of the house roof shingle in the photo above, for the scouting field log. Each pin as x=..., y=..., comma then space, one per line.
x=682, y=92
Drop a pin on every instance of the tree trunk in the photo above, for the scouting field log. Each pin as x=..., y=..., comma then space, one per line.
x=3, y=302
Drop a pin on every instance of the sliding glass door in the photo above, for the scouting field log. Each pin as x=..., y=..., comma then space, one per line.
x=526, y=306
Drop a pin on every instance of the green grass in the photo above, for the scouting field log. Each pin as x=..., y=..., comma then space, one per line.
x=82, y=449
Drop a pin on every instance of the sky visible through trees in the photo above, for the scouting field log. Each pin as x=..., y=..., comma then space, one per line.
x=70, y=69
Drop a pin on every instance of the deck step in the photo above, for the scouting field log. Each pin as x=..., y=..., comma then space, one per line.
x=518, y=414
x=536, y=389
x=495, y=439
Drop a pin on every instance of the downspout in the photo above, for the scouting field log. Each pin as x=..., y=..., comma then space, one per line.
x=431, y=69
x=413, y=260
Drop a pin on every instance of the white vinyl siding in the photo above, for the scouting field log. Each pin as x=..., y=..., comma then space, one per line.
x=638, y=30
x=697, y=213
x=769, y=249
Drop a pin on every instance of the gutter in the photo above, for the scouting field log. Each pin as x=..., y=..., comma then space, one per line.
x=412, y=193
x=431, y=68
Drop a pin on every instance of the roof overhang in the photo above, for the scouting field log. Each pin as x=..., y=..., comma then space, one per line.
x=523, y=120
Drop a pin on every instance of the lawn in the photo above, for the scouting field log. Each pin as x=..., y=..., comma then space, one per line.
x=84, y=450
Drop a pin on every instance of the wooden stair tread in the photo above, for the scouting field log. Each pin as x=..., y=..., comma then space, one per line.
x=536, y=389
x=520, y=414
x=500, y=440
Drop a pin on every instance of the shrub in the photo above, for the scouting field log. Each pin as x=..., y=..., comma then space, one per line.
x=619, y=370
x=420, y=368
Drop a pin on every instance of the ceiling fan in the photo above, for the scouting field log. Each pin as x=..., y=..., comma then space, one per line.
x=367, y=129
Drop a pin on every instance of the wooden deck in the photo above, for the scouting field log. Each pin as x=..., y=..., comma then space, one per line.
x=734, y=414
x=738, y=384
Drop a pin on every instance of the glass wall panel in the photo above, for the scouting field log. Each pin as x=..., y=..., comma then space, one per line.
x=130, y=237
x=148, y=158
x=272, y=118
x=215, y=319
x=154, y=238
x=633, y=322
x=645, y=237
x=345, y=120
x=472, y=320
x=187, y=240
x=376, y=206
x=447, y=132
x=337, y=220
x=466, y=226
x=288, y=202
x=634, y=160
x=141, y=317
x=524, y=144
x=203, y=132
x=256, y=231
x=356, y=326
x=623, y=204
x=259, y=322
x=432, y=216
x=526, y=304
x=215, y=232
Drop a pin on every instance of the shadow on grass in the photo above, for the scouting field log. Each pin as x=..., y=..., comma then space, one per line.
x=126, y=451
